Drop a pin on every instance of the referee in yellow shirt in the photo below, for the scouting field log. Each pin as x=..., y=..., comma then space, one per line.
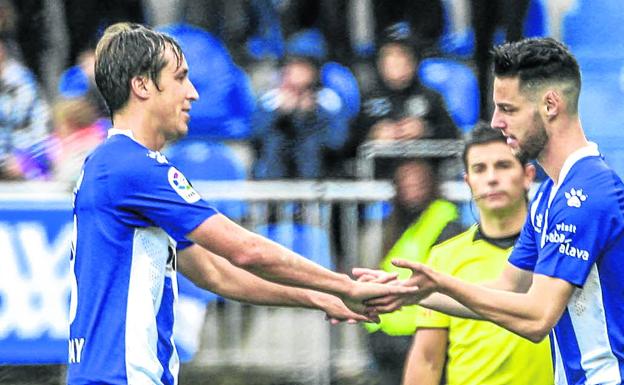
x=469, y=352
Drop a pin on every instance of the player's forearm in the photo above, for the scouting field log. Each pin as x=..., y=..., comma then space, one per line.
x=447, y=305
x=232, y=282
x=266, y=258
x=276, y=263
x=518, y=312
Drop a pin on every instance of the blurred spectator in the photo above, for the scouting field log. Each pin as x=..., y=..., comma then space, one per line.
x=297, y=122
x=400, y=107
x=420, y=219
x=77, y=131
x=24, y=113
x=425, y=17
x=86, y=63
x=487, y=16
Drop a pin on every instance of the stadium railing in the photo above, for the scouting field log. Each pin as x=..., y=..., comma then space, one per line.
x=35, y=234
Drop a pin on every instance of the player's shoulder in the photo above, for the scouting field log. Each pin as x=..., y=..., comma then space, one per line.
x=460, y=240
x=122, y=158
x=591, y=183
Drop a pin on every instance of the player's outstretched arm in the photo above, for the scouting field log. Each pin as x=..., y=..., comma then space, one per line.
x=276, y=263
x=212, y=272
x=531, y=315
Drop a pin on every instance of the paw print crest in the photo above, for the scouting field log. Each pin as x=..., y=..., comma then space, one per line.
x=575, y=197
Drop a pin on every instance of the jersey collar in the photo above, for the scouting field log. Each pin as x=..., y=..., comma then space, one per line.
x=590, y=150
x=116, y=131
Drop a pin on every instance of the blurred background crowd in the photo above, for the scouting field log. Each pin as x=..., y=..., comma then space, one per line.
x=295, y=89
x=289, y=89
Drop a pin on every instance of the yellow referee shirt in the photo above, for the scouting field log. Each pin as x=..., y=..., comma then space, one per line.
x=480, y=352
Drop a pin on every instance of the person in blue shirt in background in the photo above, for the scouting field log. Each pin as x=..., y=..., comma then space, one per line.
x=565, y=272
x=300, y=123
x=137, y=220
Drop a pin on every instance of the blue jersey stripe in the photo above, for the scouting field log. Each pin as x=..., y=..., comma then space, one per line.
x=566, y=340
x=164, y=320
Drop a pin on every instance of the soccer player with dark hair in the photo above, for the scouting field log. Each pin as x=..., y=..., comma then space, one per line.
x=565, y=273
x=137, y=220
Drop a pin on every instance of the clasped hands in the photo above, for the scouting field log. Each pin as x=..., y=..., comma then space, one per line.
x=418, y=286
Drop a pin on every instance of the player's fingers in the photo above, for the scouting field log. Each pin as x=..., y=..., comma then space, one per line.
x=367, y=278
x=359, y=271
x=407, y=264
x=380, y=301
x=389, y=308
x=386, y=278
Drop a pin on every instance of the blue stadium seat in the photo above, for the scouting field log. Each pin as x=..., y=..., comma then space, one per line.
x=223, y=110
x=458, y=85
x=536, y=23
x=73, y=83
x=461, y=43
x=595, y=28
x=340, y=79
x=310, y=241
x=601, y=108
x=205, y=160
x=308, y=43
x=190, y=313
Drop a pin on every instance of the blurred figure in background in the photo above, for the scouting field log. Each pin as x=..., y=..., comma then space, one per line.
x=297, y=122
x=487, y=16
x=420, y=219
x=24, y=112
x=77, y=131
x=426, y=18
x=400, y=107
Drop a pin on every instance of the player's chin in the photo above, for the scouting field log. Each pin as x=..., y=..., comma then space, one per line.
x=182, y=130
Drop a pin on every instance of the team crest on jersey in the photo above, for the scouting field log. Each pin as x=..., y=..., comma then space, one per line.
x=575, y=198
x=181, y=186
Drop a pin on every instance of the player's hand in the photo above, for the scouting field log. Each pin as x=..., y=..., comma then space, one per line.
x=336, y=311
x=423, y=277
x=363, y=274
x=363, y=291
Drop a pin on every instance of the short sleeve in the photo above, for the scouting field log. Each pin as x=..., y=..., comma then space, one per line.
x=183, y=244
x=578, y=232
x=427, y=318
x=159, y=192
x=525, y=252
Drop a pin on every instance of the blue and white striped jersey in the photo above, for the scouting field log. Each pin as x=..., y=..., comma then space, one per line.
x=575, y=232
x=131, y=210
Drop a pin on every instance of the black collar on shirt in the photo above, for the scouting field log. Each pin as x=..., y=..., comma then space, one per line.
x=502, y=243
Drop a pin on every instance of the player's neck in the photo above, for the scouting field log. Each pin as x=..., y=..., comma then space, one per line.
x=142, y=128
x=563, y=141
x=503, y=223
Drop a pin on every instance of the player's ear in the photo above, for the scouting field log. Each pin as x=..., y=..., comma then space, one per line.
x=529, y=175
x=552, y=103
x=139, y=87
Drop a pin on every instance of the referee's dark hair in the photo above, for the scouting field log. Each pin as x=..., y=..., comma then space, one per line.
x=538, y=62
x=483, y=134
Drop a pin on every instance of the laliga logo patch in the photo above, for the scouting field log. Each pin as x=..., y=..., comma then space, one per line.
x=575, y=197
x=181, y=186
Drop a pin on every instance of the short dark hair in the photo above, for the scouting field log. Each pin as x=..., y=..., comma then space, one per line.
x=484, y=134
x=127, y=50
x=539, y=61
